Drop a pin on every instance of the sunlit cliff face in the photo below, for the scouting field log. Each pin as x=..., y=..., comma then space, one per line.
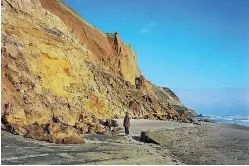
x=57, y=66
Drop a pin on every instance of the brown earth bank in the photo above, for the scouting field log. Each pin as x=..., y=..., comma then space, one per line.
x=179, y=143
x=61, y=77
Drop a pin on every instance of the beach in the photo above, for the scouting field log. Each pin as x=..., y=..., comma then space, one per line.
x=207, y=144
x=178, y=143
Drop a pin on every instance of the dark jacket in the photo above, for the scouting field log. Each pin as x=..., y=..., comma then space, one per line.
x=126, y=121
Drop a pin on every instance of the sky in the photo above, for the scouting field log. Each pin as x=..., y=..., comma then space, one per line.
x=197, y=48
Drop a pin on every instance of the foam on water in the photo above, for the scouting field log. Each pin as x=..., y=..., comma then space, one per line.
x=229, y=119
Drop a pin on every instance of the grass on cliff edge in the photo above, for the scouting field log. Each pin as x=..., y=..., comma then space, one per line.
x=110, y=35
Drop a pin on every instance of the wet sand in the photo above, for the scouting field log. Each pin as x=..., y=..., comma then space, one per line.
x=207, y=144
x=98, y=150
x=179, y=143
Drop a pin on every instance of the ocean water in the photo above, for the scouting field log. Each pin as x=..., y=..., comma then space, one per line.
x=228, y=119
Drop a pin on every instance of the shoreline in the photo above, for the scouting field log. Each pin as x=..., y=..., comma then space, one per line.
x=179, y=143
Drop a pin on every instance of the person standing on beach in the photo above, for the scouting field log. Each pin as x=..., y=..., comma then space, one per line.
x=126, y=124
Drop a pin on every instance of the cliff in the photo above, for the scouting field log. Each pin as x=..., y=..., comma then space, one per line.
x=57, y=68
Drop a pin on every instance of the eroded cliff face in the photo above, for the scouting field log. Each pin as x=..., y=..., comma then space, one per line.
x=56, y=68
x=107, y=49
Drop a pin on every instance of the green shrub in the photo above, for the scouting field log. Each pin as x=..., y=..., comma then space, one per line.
x=110, y=35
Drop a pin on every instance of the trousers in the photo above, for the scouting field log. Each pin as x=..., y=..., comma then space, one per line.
x=127, y=132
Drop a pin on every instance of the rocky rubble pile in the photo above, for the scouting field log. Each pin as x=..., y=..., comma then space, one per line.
x=56, y=132
x=53, y=132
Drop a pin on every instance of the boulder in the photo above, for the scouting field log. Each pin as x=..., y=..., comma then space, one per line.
x=107, y=128
x=55, y=133
x=207, y=120
x=73, y=140
x=15, y=129
x=67, y=136
x=3, y=127
x=79, y=125
x=118, y=130
x=90, y=131
x=163, y=118
x=99, y=129
x=107, y=123
x=197, y=123
x=37, y=132
x=83, y=130
x=13, y=115
x=169, y=116
x=185, y=120
x=15, y=118
x=101, y=122
x=180, y=120
x=54, y=128
x=114, y=123
x=9, y=128
x=191, y=120
x=37, y=113
x=146, y=117
x=96, y=128
x=106, y=133
x=20, y=130
x=204, y=120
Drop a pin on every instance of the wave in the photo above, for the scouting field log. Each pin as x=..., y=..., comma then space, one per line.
x=228, y=119
x=241, y=118
x=245, y=121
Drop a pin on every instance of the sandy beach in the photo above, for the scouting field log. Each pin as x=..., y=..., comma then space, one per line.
x=152, y=125
x=207, y=144
x=179, y=143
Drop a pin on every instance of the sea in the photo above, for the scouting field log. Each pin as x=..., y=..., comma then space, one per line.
x=228, y=119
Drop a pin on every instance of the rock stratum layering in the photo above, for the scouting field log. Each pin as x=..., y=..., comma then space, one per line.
x=62, y=76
